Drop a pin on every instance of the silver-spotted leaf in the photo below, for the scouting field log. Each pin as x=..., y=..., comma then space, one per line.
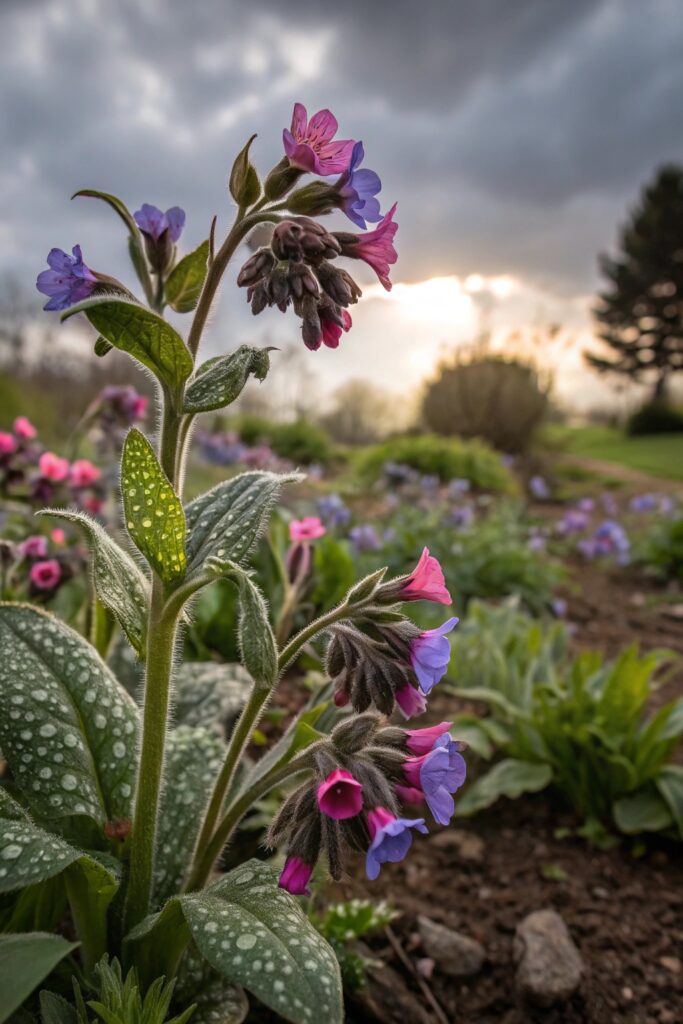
x=185, y=282
x=210, y=694
x=217, y=1001
x=142, y=334
x=227, y=521
x=221, y=381
x=193, y=758
x=153, y=512
x=120, y=585
x=67, y=728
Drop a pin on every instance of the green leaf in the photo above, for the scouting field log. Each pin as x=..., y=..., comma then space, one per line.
x=300, y=734
x=488, y=696
x=509, y=778
x=244, y=184
x=217, y=1001
x=67, y=728
x=154, y=515
x=193, y=759
x=102, y=346
x=210, y=695
x=142, y=334
x=10, y=810
x=220, y=381
x=29, y=854
x=256, y=639
x=642, y=811
x=25, y=961
x=120, y=585
x=256, y=934
x=116, y=204
x=227, y=521
x=670, y=784
x=185, y=282
x=54, y=1009
x=468, y=729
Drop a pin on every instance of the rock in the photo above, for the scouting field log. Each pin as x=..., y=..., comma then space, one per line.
x=550, y=966
x=466, y=844
x=454, y=954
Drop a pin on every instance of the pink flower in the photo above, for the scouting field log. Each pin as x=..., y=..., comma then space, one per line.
x=426, y=582
x=93, y=504
x=309, y=144
x=7, y=443
x=84, y=473
x=52, y=467
x=410, y=701
x=24, y=428
x=375, y=247
x=46, y=575
x=331, y=331
x=340, y=795
x=409, y=795
x=309, y=528
x=58, y=535
x=421, y=741
x=295, y=876
x=34, y=547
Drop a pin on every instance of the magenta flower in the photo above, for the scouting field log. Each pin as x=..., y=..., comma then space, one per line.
x=46, y=575
x=52, y=467
x=409, y=795
x=331, y=332
x=93, y=504
x=8, y=443
x=358, y=188
x=410, y=701
x=426, y=582
x=23, y=428
x=309, y=145
x=421, y=741
x=295, y=876
x=340, y=796
x=153, y=222
x=34, y=547
x=430, y=653
x=58, y=536
x=391, y=839
x=84, y=473
x=438, y=774
x=68, y=280
x=376, y=247
x=310, y=528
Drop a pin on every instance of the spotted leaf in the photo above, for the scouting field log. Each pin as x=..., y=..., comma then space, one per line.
x=221, y=381
x=142, y=334
x=120, y=585
x=154, y=515
x=67, y=728
x=185, y=282
x=217, y=1001
x=210, y=694
x=227, y=521
x=193, y=759
x=256, y=934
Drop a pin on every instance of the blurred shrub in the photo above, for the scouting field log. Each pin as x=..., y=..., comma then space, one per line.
x=360, y=413
x=301, y=442
x=581, y=726
x=655, y=418
x=437, y=456
x=503, y=401
x=661, y=549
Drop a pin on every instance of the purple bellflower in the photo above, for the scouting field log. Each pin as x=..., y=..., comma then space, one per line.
x=430, y=653
x=68, y=280
x=358, y=188
x=153, y=222
x=438, y=774
x=391, y=839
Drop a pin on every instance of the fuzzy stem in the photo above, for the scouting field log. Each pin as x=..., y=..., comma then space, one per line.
x=289, y=653
x=89, y=921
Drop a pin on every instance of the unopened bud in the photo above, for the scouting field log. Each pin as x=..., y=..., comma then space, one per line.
x=244, y=184
x=302, y=280
x=302, y=238
x=355, y=733
x=338, y=284
x=281, y=179
x=277, y=286
x=315, y=199
x=365, y=588
x=256, y=267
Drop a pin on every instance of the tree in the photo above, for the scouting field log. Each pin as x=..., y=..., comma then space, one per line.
x=640, y=313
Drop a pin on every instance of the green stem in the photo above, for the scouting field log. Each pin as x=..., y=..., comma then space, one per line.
x=88, y=919
x=289, y=653
x=245, y=726
x=234, y=815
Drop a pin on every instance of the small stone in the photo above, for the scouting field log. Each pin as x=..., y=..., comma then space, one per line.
x=671, y=963
x=467, y=845
x=550, y=966
x=454, y=954
x=627, y=993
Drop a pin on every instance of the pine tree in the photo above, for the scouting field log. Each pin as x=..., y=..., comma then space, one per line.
x=641, y=311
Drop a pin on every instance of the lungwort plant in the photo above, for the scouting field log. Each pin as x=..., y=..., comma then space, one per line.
x=114, y=815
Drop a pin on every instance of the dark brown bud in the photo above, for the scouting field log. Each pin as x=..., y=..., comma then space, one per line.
x=277, y=286
x=338, y=284
x=256, y=267
x=302, y=238
x=355, y=733
x=302, y=280
x=258, y=297
x=311, y=331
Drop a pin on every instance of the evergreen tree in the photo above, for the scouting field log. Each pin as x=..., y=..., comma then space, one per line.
x=640, y=313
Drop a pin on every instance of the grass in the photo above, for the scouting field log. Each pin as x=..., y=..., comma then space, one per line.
x=657, y=454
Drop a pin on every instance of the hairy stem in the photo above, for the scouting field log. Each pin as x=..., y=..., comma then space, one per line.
x=90, y=923
x=289, y=653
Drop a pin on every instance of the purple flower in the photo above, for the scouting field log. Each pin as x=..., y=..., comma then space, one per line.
x=358, y=188
x=573, y=521
x=34, y=547
x=391, y=839
x=68, y=280
x=153, y=222
x=430, y=653
x=410, y=701
x=365, y=538
x=333, y=510
x=609, y=538
x=309, y=145
x=643, y=503
x=539, y=488
x=461, y=516
x=438, y=774
x=458, y=487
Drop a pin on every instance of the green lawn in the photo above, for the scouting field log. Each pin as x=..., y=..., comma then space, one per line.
x=658, y=454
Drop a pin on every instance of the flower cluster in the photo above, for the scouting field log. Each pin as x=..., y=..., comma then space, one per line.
x=363, y=775
x=296, y=268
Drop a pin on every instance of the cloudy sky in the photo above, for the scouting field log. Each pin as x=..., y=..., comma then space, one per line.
x=512, y=134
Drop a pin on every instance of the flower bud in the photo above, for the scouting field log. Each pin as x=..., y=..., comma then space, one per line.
x=365, y=588
x=311, y=330
x=258, y=297
x=256, y=640
x=338, y=284
x=315, y=199
x=256, y=267
x=355, y=733
x=302, y=238
x=281, y=179
x=244, y=184
x=302, y=280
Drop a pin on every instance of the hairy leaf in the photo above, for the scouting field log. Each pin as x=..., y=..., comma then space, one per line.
x=670, y=785
x=29, y=854
x=508, y=778
x=193, y=759
x=25, y=961
x=217, y=1000
x=185, y=282
x=116, y=204
x=120, y=585
x=220, y=381
x=244, y=184
x=227, y=521
x=154, y=515
x=142, y=334
x=54, y=1009
x=67, y=728
x=642, y=811
x=210, y=694
x=256, y=934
